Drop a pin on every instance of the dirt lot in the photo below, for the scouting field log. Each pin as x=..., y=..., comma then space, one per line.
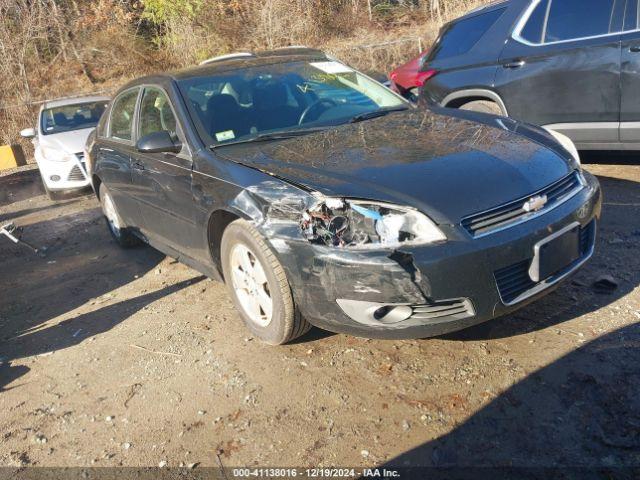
x=112, y=357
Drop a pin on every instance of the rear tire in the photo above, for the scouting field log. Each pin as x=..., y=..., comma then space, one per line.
x=483, y=106
x=258, y=286
x=121, y=234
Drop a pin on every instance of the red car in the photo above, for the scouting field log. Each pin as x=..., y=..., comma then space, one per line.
x=407, y=78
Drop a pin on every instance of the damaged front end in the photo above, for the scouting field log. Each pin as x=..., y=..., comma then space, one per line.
x=349, y=223
x=350, y=261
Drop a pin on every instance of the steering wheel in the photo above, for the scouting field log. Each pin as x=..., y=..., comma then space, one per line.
x=328, y=103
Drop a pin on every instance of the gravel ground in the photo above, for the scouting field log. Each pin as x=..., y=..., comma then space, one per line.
x=111, y=357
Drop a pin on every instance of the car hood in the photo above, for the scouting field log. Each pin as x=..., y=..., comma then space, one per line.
x=69, y=142
x=449, y=165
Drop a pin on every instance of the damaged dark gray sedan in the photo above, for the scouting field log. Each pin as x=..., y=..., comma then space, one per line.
x=322, y=198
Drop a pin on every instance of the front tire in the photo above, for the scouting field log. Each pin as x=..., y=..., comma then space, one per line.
x=119, y=232
x=258, y=286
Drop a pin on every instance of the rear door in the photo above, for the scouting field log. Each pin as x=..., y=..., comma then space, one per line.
x=465, y=55
x=162, y=181
x=630, y=82
x=561, y=67
x=114, y=155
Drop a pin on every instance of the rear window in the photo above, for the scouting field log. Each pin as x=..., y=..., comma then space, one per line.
x=572, y=19
x=533, y=30
x=459, y=37
x=122, y=114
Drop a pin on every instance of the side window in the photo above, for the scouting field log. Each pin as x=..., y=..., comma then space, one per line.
x=534, y=28
x=121, y=122
x=631, y=15
x=572, y=19
x=460, y=37
x=155, y=113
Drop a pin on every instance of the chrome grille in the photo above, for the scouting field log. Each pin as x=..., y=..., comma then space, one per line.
x=511, y=213
x=443, y=310
x=514, y=281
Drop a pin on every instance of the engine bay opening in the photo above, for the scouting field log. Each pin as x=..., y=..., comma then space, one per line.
x=358, y=223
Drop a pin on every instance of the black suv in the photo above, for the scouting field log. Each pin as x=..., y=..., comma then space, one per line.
x=571, y=65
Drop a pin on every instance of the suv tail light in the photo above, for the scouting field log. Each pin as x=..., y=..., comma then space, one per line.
x=424, y=77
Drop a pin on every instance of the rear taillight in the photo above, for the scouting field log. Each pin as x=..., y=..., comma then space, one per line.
x=424, y=77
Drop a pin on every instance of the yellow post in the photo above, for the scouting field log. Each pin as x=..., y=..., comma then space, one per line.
x=11, y=156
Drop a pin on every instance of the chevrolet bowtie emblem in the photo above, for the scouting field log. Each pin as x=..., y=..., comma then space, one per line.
x=535, y=203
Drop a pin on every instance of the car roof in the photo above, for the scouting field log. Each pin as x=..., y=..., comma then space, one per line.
x=62, y=102
x=232, y=62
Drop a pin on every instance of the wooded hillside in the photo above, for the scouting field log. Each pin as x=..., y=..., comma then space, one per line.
x=53, y=48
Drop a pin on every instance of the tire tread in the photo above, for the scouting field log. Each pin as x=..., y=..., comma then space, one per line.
x=296, y=325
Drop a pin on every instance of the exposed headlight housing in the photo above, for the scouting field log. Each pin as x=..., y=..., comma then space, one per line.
x=54, y=155
x=566, y=143
x=364, y=224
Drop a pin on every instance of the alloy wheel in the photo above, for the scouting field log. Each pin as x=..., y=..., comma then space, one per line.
x=250, y=285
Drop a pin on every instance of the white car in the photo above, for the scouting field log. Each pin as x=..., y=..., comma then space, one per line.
x=59, y=140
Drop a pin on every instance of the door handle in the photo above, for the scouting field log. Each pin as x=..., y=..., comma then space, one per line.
x=137, y=166
x=635, y=49
x=516, y=64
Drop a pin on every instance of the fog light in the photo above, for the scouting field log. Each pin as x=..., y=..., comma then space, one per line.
x=382, y=312
x=392, y=313
x=372, y=313
x=54, y=178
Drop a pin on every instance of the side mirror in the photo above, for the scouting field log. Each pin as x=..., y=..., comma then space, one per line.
x=158, y=142
x=28, y=133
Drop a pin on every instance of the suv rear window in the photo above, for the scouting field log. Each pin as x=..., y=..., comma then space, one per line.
x=459, y=37
x=631, y=15
x=572, y=19
x=533, y=30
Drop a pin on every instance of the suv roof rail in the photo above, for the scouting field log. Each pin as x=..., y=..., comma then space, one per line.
x=228, y=56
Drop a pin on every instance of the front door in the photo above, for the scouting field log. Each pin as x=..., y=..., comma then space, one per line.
x=162, y=181
x=561, y=68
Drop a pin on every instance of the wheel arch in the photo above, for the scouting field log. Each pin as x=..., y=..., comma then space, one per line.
x=462, y=97
x=217, y=223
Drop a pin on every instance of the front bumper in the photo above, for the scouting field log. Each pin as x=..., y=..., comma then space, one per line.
x=68, y=175
x=463, y=272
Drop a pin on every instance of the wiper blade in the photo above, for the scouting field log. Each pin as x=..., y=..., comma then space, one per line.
x=288, y=133
x=376, y=113
x=272, y=136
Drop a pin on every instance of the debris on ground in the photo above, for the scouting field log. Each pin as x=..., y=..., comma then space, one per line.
x=605, y=284
x=14, y=234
